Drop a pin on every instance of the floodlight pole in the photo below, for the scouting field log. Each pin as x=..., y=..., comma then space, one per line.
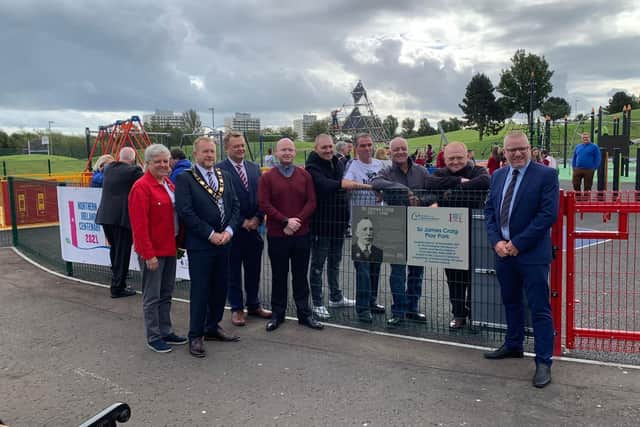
x=50, y=145
x=532, y=92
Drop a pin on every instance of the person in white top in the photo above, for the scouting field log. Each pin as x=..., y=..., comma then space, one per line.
x=548, y=160
x=358, y=177
x=360, y=172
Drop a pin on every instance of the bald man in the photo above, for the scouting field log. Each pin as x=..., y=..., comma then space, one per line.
x=113, y=215
x=288, y=199
x=459, y=184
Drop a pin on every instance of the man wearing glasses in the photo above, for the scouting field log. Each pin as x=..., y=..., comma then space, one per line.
x=520, y=210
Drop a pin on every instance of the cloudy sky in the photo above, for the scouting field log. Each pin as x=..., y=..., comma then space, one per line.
x=86, y=63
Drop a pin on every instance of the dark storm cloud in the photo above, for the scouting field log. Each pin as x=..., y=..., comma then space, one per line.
x=280, y=56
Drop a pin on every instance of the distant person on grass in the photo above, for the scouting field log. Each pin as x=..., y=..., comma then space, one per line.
x=586, y=159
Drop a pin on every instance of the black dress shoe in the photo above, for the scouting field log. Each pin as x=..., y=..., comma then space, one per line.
x=121, y=293
x=220, y=335
x=273, y=324
x=395, y=321
x=416, y=317
x=196, y=347
x=504, y=353
x=377, y=309
x=310, y=322
x=542, y=377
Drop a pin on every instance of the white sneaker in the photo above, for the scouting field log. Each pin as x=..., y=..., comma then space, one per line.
x=321, y=312
x=344, y=302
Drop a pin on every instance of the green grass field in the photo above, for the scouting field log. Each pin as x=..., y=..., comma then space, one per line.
x=38, y=163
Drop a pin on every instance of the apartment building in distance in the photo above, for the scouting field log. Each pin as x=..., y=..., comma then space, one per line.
x=164, y=119
x=242, y=122
x=301, y=126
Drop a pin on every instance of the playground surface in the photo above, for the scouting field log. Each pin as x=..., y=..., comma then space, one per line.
x=68, y=351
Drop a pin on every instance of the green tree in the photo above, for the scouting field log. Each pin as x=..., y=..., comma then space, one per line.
x=408, y=125
x=555, y=107
x=514, y=82
x=316, y=128
x=425, y=129
x=192, y=122
x=288, y=132
x=390, y=124
x=4, y=139
x=481, y=110
x=619, y=100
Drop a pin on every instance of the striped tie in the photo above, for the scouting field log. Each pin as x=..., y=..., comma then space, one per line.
x=506, y=201
x=243, y=177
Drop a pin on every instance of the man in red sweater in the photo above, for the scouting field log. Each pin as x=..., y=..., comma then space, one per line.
x=287, y=197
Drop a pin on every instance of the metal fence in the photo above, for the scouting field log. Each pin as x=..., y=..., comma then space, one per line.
x=606, y=293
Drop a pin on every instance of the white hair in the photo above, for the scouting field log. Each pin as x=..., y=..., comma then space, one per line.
x=127, y=154
x=155, y=150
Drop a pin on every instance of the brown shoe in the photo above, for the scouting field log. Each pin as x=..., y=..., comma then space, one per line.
x=196, y=347
x=237, y=318
x=261, y=312
x=220, y=335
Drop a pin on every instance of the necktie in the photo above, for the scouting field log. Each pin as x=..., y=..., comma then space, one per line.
x=506, y=201
x=367, y=252
x=210, y=179
x=219, y=202
x=243, y=177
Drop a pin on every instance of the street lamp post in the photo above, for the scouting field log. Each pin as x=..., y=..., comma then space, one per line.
x=50, y=146
x=532, y=92
x=213, y=121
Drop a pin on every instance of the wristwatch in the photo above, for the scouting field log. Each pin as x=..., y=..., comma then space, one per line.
x=285, y=222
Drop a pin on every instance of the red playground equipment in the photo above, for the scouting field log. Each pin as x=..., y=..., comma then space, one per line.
x=113, y=137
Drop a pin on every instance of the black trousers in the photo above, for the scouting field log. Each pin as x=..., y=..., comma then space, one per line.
x=282, y=251
x=209, y=273
x=459, y=291
x=120, y=239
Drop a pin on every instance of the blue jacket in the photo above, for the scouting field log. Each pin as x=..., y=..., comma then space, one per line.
x=248, y=199
x=534, y=211
x=586, y=156
x=96, y=179
x=180, y=166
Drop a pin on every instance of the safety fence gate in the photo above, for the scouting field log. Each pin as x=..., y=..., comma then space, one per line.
x=602, y=277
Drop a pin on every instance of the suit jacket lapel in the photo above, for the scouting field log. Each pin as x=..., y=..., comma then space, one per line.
x=523, y=185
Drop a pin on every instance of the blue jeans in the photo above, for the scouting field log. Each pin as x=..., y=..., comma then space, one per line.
x=325, y=249
x=405, y=299
x=367, y=278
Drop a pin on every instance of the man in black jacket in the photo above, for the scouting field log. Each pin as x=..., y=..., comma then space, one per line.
x=459, y=184
x=113, y=215
x=328, y=225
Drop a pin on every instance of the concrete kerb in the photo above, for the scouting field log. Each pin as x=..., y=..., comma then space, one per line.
x=349, y=328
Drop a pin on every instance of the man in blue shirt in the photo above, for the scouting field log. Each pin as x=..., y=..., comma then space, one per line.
x=586, y=159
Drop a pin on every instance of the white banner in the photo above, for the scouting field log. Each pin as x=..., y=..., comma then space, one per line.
x=438, y=237
x=81, y=239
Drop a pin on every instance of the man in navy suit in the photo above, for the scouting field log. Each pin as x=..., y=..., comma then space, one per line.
x=209, y=209
x=247, y=244
x=520, y=210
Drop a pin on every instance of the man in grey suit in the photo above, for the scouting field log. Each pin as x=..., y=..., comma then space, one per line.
x=113, y=215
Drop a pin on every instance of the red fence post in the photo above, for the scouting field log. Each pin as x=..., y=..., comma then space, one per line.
x=556, y=275
x=570, y=211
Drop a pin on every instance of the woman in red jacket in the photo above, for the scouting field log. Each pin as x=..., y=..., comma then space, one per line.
x=155, y=226
x=494, y=160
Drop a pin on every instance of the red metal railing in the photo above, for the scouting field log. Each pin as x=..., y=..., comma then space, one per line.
x=602, y=284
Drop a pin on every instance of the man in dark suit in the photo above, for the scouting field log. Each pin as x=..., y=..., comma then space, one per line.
x=520, y=210
x=210, y=212
x=247, y=244
x=113, y=215
x=366, y=259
